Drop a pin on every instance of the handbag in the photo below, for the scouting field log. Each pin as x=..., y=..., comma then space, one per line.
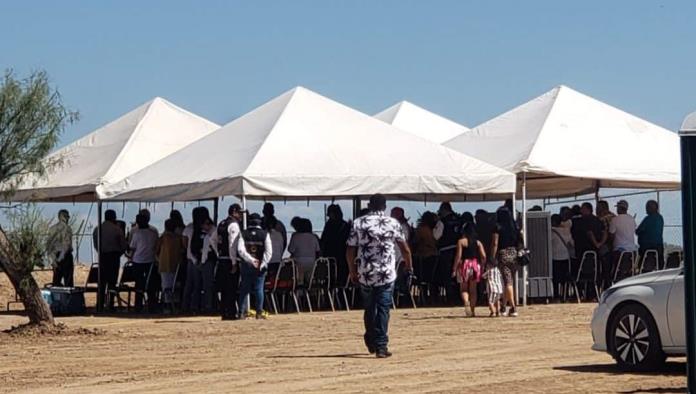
x=523, y=257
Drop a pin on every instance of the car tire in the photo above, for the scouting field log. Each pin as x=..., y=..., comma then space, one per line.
x=634, y=340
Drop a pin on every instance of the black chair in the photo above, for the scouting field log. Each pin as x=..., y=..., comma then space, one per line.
x=587, y=275
x=649, y=261
x=92, y=282
x=320, y=282
x=126, y=284
x=674, y=260
x=285, y=284
x=624, y=266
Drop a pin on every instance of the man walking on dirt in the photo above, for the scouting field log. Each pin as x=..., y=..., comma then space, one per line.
x=373, y=239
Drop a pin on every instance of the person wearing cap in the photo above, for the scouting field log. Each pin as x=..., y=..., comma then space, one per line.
x=622, y=230
x=227, y=273
x=59, y=250
x=201, y=236
x=372, y=240
x=255, y=250
x=110, y=248
x=650, y=232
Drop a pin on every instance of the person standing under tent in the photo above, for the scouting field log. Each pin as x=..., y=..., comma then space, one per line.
x=143, y=246
x=561, y=248
x=304, y=248
x=372, y=240
x=112, y=246
x=506, y=240
x=622, y=230
x=425, y=251
x=255, y=250
x=467, y=267
x=398, y=214
x=333, y=241
x=171, y=249
x=60, y=250
x=175, y=215
x=276, y=240
x=227, y=273
x=269, y=216
x=650, y=232
x=446, y=233
x=195, y=235
x=604, y=252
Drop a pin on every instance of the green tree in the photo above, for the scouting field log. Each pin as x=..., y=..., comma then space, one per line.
x=32, y=117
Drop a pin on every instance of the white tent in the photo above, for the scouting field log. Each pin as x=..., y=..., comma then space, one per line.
x=303, y=145
x=566, y=143
x=421, y=122
x=122, y=147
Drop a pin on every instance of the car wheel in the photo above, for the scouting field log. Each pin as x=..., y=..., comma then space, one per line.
x=634, y=340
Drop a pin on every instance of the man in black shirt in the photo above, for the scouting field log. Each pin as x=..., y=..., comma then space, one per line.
x=587, y=231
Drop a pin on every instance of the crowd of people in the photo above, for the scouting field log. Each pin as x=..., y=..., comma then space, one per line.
x=466, y=256
x=577, y=230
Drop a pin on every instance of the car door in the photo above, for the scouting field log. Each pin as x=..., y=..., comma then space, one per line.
x=675, y=312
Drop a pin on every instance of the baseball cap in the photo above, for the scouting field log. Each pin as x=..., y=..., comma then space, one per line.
x=622, y=204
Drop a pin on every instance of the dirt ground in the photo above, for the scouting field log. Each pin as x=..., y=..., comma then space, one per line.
x=546, y=349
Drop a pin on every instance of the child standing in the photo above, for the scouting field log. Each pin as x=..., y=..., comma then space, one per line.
x=494, y=287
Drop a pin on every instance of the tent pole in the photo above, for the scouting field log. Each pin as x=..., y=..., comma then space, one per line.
x=216, y=206
x=100, y=283
x=524, y=236
x=658, y=198
x=244, y=208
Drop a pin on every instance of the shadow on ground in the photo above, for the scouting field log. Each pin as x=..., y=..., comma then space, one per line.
x=668, y=369
x=340, y=355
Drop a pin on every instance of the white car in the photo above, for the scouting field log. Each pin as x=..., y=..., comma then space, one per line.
x=640, y=320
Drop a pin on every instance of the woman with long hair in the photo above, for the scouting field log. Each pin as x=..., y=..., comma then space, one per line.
x=467, y=267
x=506, y=239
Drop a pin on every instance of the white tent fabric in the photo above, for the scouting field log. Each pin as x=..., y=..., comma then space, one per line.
x=303, y=145
x=569, y=144
x=689, y=125
x=122, y=147
x=421, y=122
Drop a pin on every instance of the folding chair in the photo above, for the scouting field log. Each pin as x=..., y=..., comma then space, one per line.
x=285, y=284
x=126, y=284
x=587, y=274
x=398, y=293
x=320, y=283
x=624, y=267
x=649, y=261
x=349, y=286
x=674, y=260
x=92, y=281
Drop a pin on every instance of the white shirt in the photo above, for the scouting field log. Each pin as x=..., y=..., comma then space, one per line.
x=233, y=232
x=561, y=240
x=144, y=242
x=623, y=227
x=304, y=247
x=267, y=253
x=60, y=241
x=375, y=235
x=277, y=242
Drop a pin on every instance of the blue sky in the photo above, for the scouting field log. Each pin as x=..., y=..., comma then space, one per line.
x=466, y=60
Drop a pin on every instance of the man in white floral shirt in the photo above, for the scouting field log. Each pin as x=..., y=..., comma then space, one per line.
x=373, y=240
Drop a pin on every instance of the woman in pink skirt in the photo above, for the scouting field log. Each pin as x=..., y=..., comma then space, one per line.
x=467, y=268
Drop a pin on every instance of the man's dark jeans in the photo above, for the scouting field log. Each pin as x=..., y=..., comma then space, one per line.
x=227, y=284
x=377, y=301
x=63, y=271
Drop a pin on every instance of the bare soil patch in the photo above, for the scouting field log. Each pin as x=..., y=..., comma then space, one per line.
x=545, y=350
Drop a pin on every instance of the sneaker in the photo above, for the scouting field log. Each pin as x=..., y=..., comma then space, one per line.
x=513, y=312
x=383, y=353
x=261, y=316
x=467, y=309
x=503, y=311
x=492, y=314
x=371, y=350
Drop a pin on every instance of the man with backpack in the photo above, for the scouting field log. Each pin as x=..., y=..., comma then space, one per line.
x=255, y=250
x=227, y=274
